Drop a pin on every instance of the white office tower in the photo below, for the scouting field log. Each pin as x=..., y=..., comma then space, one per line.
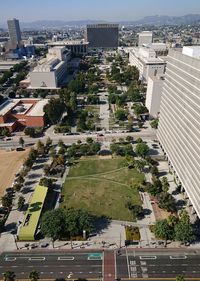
x=145, y=38
x=14, y=31
x=153, y=96
x=179, y=126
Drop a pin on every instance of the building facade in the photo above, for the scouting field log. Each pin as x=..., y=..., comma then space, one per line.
x=14, y=32
x=179, y=125
x=153, y=96
x=145, y=37
x=20, y=113
x=103, y=35
x=50, y=73
x=147, y=62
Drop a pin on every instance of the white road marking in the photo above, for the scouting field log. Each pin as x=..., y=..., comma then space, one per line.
x=127, y=260
x=132, y=262
x=178, y=257
x=66, y=258
x=10, y=259
x=36, y=259
x=148, y=257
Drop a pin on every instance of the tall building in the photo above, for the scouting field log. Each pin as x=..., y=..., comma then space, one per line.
x=145, y=37
x=14, y=31
x=179, y=125
x=103, y=35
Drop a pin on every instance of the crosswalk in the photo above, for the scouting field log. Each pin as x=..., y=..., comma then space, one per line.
x=138, y=270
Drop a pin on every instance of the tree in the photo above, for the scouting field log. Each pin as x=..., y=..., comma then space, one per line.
x=162, y=230
x=184, y=232
x=54, y=110
x=180, y=278
x=167, y=202
x=165, y=184
x=21, y=202
x=40, y=148
x=34, y=275
x=21, y=142
x=129, y=138
x=6, y=201
x=154, y=123
x=139, y=165
x=48, y=182
x=9, y=276
x=53, y=224
x=154, y=170
x=48, y=142
x=142, y=149
x=30, y=131
x=121, y=114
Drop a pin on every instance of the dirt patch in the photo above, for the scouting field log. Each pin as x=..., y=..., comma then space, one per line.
x=10, y=163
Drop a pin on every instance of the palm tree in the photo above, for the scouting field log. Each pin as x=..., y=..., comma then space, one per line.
x=9, y=276
x=34, y=275
x=21, y=142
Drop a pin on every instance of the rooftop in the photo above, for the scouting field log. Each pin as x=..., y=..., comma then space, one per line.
x=30, y=223
x=37, y=109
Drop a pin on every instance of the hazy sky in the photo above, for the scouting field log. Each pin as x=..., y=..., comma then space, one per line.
x=113, y=10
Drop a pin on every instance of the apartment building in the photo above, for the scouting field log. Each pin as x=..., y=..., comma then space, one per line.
x=179, y=125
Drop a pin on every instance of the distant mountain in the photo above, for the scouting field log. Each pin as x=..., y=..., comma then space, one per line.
x=149, y=20
x=168, y=20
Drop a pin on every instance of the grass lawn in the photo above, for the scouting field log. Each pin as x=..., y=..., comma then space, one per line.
x=102, y=187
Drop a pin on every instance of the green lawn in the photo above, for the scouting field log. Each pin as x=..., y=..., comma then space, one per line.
x=102, y=187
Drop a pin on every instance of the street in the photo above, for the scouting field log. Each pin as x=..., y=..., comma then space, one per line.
x=128, y=264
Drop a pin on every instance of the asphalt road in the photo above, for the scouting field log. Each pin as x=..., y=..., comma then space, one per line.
x=53, y=265
x=131, y=265
x=14, y=142
x=158, y=265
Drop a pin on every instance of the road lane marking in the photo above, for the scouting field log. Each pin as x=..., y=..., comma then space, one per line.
x=66, y=258
x=178, y=257
x=127, y=260
x=36, y=259
x=148, y=257
x=10, y=259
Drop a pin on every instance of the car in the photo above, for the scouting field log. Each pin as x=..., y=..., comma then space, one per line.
x=8, y=139
x=20, y=149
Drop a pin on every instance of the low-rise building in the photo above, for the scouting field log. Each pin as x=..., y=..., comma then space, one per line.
x=20, y=113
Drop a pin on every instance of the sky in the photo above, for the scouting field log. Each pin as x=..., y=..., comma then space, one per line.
x=109, y=10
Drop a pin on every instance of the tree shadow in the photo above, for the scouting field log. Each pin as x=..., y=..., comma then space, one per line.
x=11, y=227
x=100, y=224
x=161, y=174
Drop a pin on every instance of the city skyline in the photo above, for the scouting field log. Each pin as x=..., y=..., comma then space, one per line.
x=100, y=10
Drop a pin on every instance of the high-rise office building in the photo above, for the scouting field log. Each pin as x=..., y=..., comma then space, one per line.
x=179, y=125
x=103, y=35
x=14, y=31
